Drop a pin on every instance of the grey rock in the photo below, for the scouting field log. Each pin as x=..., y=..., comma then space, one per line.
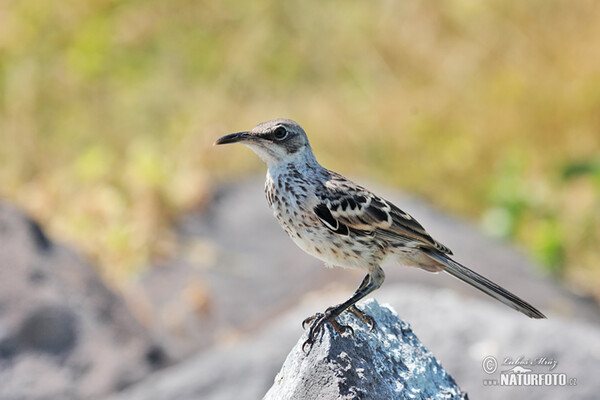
x=229, y=370
x=243, y=369
x=461, y=331
x=63, y=333
x=387, y=363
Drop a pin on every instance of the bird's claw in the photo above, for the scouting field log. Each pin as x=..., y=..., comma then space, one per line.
x=342, y=329
x=317, y=324
x=364, y=317
x=307, y=321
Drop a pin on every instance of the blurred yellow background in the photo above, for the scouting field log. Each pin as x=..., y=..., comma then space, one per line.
x=491, y=110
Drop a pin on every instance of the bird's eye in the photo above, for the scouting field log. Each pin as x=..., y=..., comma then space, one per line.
x=280, y=133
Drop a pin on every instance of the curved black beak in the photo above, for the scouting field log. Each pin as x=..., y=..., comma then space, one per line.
x=233, y=138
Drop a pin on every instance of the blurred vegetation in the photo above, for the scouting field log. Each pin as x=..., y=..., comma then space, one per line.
x=489, y=109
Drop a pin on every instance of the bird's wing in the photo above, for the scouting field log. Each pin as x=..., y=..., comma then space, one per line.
x=345, y=207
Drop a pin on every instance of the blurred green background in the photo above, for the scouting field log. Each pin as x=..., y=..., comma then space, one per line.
x=490, y=110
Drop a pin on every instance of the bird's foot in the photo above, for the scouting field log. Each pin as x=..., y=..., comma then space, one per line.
x=364, y=317
x=317, y=323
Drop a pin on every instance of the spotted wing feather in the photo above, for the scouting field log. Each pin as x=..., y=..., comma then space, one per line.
x=347, y=204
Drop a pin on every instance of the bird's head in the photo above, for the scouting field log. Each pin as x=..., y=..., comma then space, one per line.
x=276, y=141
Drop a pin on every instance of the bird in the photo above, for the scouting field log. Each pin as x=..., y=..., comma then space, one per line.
x=344, y=224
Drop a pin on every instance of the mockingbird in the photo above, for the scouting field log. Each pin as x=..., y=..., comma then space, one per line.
x=344, y=224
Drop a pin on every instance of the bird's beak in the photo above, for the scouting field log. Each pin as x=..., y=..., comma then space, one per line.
x=233, y=138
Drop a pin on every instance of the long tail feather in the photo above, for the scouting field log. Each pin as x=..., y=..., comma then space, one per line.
x=485, y=285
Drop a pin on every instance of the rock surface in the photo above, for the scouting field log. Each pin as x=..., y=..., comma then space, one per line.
x=460, y=331
x=387, y=363
x=63, y=333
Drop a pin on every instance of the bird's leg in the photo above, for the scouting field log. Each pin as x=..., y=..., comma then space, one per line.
x=367, y=319
x=371, y=282
x=309, y=320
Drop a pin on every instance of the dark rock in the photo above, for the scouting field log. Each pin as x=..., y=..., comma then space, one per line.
x=387, y=363
x=37, y=276
x=49, y=329
x=9, y=347
x=39, y=237
x=156, y=356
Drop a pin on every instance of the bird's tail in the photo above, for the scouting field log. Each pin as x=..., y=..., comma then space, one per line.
x=485, y=285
